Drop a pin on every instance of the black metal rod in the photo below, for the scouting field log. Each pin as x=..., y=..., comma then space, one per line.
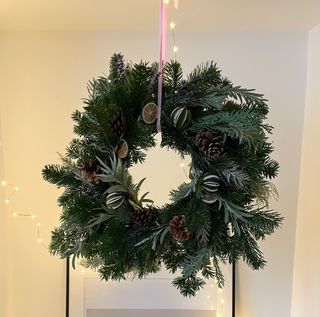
x=67, y=287
x=233, y=289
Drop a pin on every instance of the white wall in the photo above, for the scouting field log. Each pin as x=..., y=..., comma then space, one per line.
x=43, y=77
x=306, y=291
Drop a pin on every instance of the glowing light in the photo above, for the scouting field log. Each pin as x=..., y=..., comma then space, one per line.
x=182, y=165
x=212, y=286
x=222, y=301
x=38, y=224
x=175, y=49
x=172, y=25
x=109, y=81
x=208, y=296
x=83, y=270
x=218, y=315
x=220, y=290
x=14, y=214
x=33, y=216
x=188, y=181
x=3, y=183
x=16, y=188
x=39, y=240
x=7, y=201
x=166, y=1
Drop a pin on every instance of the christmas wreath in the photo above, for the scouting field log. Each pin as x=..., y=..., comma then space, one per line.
x=217, y=216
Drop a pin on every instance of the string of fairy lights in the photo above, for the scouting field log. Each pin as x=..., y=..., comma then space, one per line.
x=13, y=189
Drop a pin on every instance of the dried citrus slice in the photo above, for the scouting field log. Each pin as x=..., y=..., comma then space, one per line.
x=123, y=149
x=150, y=113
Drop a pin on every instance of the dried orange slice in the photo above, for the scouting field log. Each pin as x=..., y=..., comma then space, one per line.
x=150, y=113
x=123, y=149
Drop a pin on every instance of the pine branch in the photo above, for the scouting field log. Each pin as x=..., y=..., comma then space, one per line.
x=60, y=176
x=242, y=125
x=173, y=75
x=247, y=99
x=234, y=175
x=188, y=286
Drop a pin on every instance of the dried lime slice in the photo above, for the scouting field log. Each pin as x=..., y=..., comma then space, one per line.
x=150, y=113
x=123, y=149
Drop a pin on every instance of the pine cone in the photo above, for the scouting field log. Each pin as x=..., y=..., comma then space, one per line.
x=210, y=143
x=89, y=171
x=143, y=217
x=118, y=124
x=177, y=228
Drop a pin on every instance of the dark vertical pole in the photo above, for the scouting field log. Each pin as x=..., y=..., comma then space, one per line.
x=67, y=287
x=233, y=289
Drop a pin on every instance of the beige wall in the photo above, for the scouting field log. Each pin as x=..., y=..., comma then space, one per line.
x=4, y=247
x=306, y=292
x=43, y=77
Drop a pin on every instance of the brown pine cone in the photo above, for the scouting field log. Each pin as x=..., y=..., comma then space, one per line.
x=89, y=171
x=118, y=124
x=210, y=143
x=143, y=217
x=177, y=228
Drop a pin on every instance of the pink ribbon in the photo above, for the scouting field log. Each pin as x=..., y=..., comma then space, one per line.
x=162, y=60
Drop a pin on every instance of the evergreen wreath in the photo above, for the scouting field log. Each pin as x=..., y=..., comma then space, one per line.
x=218, y=216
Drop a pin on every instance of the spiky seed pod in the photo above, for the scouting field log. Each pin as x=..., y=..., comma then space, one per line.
x=177, y=228
x=181, y=117
x=115, y=200
x=211, y=183
x=118, y=124
x=89, y=171
x=210, y=143
x=143, y=216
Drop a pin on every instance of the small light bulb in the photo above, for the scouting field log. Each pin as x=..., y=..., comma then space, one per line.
x=3, y=183
x=14, y=214
x=218, y=315
x=175, y=49
x=166, y=1
x=7, y=201
x=16, y=188
x=212, y=308
x=109, y=81
x=222, y=301
x=188, y=181
x=176, y=91
x=83, y=270
x=172, y=25
x=38, y=224
x=212, y=286
x=220, y=290
x=182, y=165
x=39, y=240
x=33, y=216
